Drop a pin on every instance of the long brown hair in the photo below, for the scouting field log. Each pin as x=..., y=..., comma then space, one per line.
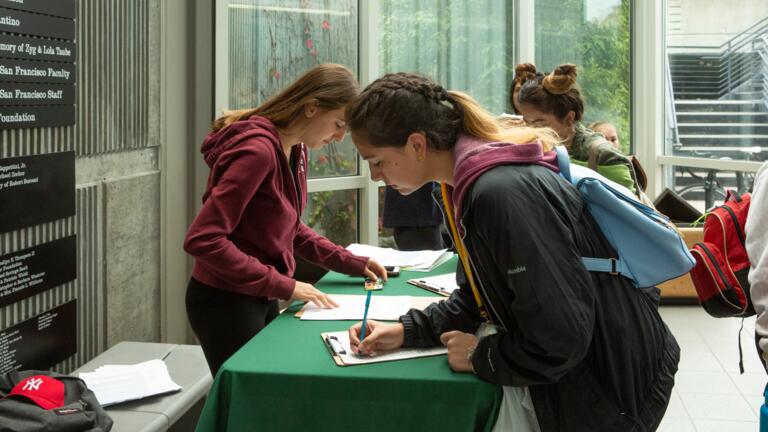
x=329, y=85
x=397, y=105
x=555, y=93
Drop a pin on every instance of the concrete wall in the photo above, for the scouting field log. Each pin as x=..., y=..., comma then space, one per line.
x=132, y=129
x=711, y=22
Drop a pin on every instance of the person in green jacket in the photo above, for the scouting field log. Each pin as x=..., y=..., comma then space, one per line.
x=554, y=100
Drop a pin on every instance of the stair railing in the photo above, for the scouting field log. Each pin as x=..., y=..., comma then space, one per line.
x=737, y=71
x=761, y=47
x=745, y=39
x=673, y=138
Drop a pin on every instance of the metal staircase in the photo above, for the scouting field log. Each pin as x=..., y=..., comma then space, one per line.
x=719, y=100
x=720, y=97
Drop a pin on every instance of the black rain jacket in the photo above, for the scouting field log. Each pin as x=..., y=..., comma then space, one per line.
x=591, y=347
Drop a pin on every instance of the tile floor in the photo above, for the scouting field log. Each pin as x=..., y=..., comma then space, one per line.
x=710, y=395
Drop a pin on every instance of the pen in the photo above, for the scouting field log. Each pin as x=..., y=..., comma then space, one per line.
x=365, y=314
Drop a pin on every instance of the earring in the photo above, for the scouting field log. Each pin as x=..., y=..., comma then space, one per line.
x=420, y=158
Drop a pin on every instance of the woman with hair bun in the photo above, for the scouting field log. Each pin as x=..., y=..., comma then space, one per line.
x=523, y=73
x=555, y=101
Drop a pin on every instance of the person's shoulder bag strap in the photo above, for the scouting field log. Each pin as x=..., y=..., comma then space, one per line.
x=462, y=250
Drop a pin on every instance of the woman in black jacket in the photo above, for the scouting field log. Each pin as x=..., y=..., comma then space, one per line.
x=573, y=350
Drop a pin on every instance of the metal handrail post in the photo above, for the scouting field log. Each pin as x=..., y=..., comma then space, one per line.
x=728, y=57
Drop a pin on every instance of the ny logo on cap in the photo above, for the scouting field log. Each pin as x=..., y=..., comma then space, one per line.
x=33, y=384
x=47, y=392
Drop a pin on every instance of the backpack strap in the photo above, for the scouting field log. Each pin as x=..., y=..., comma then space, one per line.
x=614, y=266
x=563, y=162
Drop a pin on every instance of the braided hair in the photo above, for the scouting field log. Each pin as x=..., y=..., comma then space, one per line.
x=396, y=105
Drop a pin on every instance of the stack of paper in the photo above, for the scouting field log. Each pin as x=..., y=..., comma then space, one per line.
x=121, y=383
x=442, y=284
x=425, y=260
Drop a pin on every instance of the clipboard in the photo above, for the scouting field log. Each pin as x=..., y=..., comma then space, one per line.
x=337, y=344
x=428, y=287
x=419, y=303
x=443, y=285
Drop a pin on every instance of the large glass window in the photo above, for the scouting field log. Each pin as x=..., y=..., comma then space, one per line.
x=270, y=43
x=334, y=215
x=468, y=45
x=463, y=44
x=716, y=95
x=595, y=36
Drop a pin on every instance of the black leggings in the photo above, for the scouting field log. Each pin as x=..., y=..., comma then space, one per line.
x=224, y=321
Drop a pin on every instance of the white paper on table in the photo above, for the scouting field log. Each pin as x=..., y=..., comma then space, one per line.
x=423, y=260
x=445, y=256
x=400, y=354
x=120, y=383
x=352, y=307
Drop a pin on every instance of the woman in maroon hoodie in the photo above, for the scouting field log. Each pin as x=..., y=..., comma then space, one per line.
x=571, y=350
x=249, y=227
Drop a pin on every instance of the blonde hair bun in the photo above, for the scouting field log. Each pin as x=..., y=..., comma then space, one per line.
x=562, y=79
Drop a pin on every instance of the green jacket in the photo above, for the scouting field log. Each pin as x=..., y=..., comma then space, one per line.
x=611, y=163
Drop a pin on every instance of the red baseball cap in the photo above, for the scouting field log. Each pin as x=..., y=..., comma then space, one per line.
x=46, y=392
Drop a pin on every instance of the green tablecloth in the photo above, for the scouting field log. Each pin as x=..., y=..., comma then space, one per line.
x=285, y=380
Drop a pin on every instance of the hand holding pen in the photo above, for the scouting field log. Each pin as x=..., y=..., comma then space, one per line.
x=381, y=337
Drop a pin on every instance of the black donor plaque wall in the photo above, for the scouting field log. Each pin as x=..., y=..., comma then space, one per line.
x=30, y=271
x=37, y=63
x=40, y=342
x=36, y=189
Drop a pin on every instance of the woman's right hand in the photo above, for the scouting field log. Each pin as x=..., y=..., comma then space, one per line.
x=378, y=337
x=306, y=292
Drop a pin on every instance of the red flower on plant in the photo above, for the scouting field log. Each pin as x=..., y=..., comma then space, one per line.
x=310, y=44
x=274, y=73
x=326, y=25
x=322, y=159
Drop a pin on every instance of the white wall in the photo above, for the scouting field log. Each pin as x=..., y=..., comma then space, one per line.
x=711, y=22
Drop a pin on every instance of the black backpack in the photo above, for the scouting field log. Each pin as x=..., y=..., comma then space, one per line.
x=81, y=410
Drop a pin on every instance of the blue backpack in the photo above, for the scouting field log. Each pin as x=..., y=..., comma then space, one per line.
x=649, y=247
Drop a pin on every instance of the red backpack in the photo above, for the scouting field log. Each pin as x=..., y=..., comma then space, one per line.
x=722, y=265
